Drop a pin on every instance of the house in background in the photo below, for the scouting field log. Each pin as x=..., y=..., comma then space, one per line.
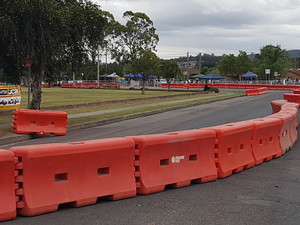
x=293, y=75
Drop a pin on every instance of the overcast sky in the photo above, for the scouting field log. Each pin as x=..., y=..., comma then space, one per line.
x=216, y=26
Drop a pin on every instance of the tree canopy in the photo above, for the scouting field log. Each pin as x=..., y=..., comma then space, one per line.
x=129, y=41
x=169, y=70
x=53, y=33
x=273, y=58
x=235, y=66
x=65, y=37
x=147, y=64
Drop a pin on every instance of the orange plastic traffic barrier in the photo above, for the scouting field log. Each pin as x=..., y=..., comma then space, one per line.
x=277, y=104
x=256, y=91
x=76, y=173
x=39, y=121
x=292, y=97
x=251, y=92
x=290, y=105
x=296, y=91
x=262, y=90
x=287, y=121
x=7, y=185
x=265, y=140
x=174, y=159
x=233, y=151
x=292, y=109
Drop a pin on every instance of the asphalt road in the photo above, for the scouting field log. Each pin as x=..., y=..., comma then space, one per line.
x=265, y=194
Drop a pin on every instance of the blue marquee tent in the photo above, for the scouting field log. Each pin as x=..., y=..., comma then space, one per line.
x=130, y=75
x=139, y=75
x=212, y=76
x=249, y=75
x=198, y=75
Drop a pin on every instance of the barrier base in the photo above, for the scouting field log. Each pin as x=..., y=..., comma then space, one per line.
x=37, y=211
x=236, y=170
x=118, y=196
x=205, y=179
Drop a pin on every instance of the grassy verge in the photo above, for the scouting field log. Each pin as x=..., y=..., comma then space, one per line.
x=59, y=97
x=138, y=103
x=62, y=97
x=158, y=107
x=55, y=97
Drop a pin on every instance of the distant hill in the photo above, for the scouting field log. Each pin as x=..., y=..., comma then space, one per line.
x=294, y=53
x=212, y=60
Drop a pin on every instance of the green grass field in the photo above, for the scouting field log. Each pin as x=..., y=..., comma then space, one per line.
x=58, y=97
x=70, y=96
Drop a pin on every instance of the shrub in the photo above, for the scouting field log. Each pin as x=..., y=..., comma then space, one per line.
x=216, y=90
x=110, y=87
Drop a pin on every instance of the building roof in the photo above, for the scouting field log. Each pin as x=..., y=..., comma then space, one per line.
x=191, y=71
x=293, y=74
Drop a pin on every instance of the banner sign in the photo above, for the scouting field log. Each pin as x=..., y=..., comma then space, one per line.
x=10, y=97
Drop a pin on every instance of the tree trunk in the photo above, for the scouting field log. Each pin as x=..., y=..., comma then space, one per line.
x=36, y=87
x=143, y=87
x=169, y=86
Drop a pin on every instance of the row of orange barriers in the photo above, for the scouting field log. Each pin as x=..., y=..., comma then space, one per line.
x=257, y=91
x=39, y=178
x=90, y=84
x=292, y=97
x=26, y=121
x=233, y=86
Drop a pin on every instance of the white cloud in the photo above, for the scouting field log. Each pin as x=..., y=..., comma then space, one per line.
x=216, y=26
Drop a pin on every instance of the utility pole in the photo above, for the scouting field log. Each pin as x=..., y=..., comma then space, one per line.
x=28, y=65
x=74, y=79
x=200, y=62
x=188, y=65
x=98, y=66
x=106, y=58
